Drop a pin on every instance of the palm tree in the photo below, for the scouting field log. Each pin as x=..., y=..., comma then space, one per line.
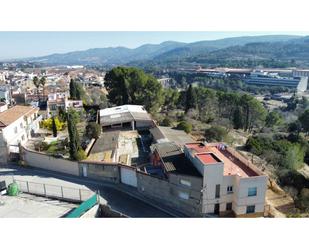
x=42, y=83
x=37, y=84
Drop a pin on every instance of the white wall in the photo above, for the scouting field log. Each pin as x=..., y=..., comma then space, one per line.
x=43, y=161
x=243, y=200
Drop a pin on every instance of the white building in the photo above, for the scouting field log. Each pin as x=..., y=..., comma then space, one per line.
x=230, y=182
x=130, y=116
x=5, y=94
x=17, y=124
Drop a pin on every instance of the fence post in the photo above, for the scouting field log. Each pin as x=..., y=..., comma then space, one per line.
x=44, y=189
x=80, y=195
x=61, y=192
x=27, y=186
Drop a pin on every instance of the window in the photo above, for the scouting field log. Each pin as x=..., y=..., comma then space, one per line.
x=15, y=129
x=229, y=189
x=217, y=191
x=250, y=209
x=183, y=195
x=21, y=125
x=252, y=191
x=185, y=182
x=229, y=206
x=23, y=137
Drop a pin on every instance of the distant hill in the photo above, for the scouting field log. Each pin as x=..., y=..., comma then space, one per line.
x=242, y=47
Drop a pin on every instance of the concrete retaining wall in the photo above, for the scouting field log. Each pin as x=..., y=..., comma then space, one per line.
x=43, y=161
x=100, y=171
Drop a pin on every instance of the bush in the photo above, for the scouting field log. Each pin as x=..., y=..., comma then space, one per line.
x=80, y=155
x=302, y=201
x=166, y=122
x=93, y=130
x=215, y=133
x=48, y=124
x=185, y=126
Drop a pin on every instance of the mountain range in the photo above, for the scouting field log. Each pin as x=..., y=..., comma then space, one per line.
x=284, y=48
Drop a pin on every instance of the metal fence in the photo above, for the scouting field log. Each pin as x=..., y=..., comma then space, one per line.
x=53, y=191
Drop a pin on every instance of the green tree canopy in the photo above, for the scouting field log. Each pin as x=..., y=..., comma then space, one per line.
x=191, y=98
x=304, y=120
x=273, y=118
x=127, y=85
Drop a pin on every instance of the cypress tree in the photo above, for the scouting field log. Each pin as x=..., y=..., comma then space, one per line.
x=73, y=89
x=73, y=137
x=54, y=127
x=191, y=98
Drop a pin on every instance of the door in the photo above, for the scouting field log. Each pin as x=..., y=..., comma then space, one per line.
x=84, y=170
x=128, y=176
x=217, y=208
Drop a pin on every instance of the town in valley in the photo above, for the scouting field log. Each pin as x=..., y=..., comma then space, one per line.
x=206, y=129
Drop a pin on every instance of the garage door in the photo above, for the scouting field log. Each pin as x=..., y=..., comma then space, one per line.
x=128, y=176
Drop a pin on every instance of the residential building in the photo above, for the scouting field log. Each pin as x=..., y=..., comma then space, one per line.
x=55, y=101
x=5, y=94
x=230, y=182
x=204, y=180
x=125, y=116
x=17, y=125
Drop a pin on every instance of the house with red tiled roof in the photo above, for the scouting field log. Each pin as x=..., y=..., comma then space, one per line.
x=16, y=126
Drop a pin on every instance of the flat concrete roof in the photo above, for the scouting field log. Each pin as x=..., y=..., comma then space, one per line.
x=30, y=206
x=234, y=164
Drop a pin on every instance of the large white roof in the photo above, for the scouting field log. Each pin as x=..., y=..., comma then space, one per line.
x=122, y=109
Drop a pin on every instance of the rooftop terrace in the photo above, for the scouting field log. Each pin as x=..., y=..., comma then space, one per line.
x=234, y=163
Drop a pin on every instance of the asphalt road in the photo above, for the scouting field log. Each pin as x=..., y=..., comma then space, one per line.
x=119, y=201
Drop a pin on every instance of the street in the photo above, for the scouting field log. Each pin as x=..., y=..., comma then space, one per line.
x=119, y=201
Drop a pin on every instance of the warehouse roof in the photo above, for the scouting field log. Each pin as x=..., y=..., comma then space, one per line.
x=123, y=114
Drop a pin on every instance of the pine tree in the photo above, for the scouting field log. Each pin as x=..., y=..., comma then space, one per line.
x=191, y=98
x=54, y=127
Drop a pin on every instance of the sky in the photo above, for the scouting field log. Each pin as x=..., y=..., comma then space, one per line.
x=28, y=44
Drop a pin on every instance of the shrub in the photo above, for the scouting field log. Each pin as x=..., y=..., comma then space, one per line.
x=48, y=124
x=215, y=133
x=166, y=122
x=185, y=126
x=80, y=155
x=93, y=130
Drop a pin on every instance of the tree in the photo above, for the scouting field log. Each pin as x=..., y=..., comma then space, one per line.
x=93, y=130
x=171, y=97
x=36, y=84
x=215, y=133
x=185, y=126
x=238, y=119
x=73, y=89
x=254, y=112
x=191, y=98
x=127, y=85
x=74, y=143
x=273, y=118
x=54, y=127
x=62, y=114
x=304, y=120
x=295, y=126
x=42, y=83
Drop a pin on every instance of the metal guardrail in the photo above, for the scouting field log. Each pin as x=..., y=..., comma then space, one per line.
x=52, y=191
